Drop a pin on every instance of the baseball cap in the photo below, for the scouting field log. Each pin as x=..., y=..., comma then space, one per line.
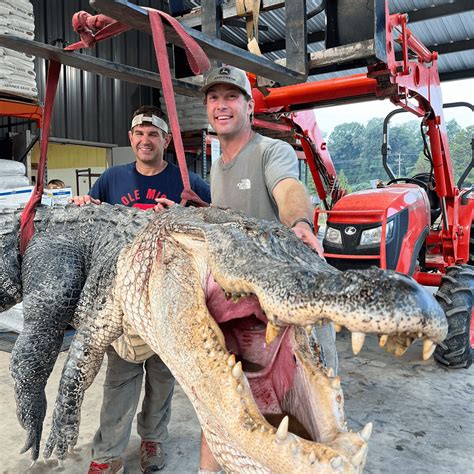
x=228, y=75
x=153, y=120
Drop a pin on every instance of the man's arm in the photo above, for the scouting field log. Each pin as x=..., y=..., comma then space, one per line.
x=92, y=197
x=293, y=204
x=84, y=200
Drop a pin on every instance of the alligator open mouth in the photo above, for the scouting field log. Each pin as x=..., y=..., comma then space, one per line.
x=270, y=366
x=287, y=380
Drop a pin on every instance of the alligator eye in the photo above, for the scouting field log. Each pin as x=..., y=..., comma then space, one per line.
x=339, y=399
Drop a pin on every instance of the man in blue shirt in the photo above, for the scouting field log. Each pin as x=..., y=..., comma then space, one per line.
x=138, y=184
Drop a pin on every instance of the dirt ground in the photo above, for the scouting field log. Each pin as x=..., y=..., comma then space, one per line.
x=422, y=415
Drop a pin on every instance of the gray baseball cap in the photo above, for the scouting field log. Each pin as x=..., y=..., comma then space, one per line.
x=228, y=75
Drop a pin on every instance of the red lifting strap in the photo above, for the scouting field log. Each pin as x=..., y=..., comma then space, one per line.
x=199, y=63
x=96, y=28
x=28, y=214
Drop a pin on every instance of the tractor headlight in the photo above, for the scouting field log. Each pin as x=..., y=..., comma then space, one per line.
x=373, y=236
x=333, y=235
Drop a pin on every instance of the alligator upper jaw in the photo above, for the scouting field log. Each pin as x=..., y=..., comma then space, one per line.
x=391, y=305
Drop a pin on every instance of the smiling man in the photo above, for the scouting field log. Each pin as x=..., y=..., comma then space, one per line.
x=254, y=174
x=150, y=176
x=137, y=184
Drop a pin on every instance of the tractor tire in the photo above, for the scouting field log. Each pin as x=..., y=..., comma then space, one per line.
x=455, y=296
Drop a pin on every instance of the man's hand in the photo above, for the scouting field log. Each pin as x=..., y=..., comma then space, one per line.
x=163, y=204
x=303, y=231
x=83, y=200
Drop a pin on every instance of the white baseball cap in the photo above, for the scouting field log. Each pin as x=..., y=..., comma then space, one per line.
x=152, y=120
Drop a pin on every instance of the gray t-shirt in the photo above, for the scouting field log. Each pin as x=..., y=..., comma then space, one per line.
x=246, y=183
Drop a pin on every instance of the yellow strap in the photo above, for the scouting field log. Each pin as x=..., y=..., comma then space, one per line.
x=251, y=10
x=240, y=7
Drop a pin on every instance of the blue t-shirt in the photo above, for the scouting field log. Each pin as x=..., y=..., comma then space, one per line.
x=125, y=185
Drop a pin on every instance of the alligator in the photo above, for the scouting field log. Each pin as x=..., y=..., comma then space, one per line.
x=227, y=301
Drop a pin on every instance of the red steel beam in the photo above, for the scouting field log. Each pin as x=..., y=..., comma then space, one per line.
x=314, y=92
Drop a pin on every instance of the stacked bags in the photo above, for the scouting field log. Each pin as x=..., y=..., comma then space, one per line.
x=17, y=73
x=12, y=174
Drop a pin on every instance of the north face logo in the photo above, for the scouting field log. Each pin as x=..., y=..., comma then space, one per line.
x=244, y=184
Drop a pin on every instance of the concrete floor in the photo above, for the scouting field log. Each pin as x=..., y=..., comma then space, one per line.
x=422, y=414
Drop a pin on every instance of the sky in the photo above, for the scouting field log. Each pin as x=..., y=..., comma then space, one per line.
x=362, y=112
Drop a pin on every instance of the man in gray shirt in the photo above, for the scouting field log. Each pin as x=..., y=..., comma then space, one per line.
x=254, y=174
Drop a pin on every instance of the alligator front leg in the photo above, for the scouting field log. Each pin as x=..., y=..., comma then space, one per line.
x=38, y=345
x=99, y=329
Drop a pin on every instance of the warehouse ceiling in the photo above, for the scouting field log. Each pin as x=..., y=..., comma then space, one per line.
x=443, y=26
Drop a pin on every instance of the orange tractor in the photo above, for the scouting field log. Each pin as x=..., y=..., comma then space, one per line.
x=421, y=225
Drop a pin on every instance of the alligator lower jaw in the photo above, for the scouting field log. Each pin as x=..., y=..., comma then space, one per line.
x=288, y=401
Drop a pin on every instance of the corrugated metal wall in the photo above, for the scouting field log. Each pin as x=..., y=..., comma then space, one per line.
x=90, y=107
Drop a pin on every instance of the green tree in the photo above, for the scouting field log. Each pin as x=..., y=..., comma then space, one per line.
x=343, y=182
x=459, y=141
x=461, y=154
x=345, y=145
x=356, y=151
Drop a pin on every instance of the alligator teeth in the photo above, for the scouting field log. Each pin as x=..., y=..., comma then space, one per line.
x=309, y=328
x=400, y=349
x=366, y=433
x=312, y=457
x=383, y=340
x=272, y=332
x=428, y=349
x=336, y=462
x=337, y=327
x=227, y=295
x=240, y=388
x=358, y=339
x=32, y=464
x=358, y=457
x=231, y=360
x=237, y=370
x=330, y=372
x=336, y=383
x=282, y=431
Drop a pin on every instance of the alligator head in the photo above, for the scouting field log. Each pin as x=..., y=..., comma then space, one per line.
x=228, y=301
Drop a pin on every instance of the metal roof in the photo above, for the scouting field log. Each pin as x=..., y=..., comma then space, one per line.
x=446, y=26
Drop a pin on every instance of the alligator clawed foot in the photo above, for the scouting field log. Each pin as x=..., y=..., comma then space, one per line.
x=60, y=444
x=34, y=430
x=62, y=439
